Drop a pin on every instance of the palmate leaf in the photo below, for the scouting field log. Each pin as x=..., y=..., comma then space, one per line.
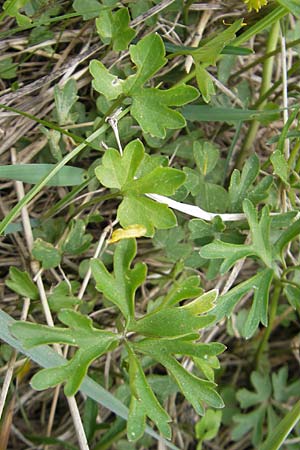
x=120, y=286
x=151, y=107
x=119, y=172
x=91, y=341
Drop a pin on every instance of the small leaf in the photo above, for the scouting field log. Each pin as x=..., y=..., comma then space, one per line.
x=133, y=231
x=46, y=253
x=280, y=165
x=241, y=183
x=263, y=390
x=77, y=240
x=259, y=309
x=193, y=388
x=65, y=98
x=88, y=9
x=8, y=69
x=206, y=156
x=21, y=283
x=114, y=27
x=230, y=252
x=61, y=297
x=209, y=52
x=208, y=426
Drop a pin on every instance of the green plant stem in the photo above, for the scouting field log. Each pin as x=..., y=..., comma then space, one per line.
x=277, y=437
x=266, y=84
x=268, y=330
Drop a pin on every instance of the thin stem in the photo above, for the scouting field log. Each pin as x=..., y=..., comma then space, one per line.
x=265, y=85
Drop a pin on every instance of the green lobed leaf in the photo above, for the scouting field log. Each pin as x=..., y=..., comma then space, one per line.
x=77, y=241
x=151, y=108
x=120, y=286
x=260, y=232
x=263, y=390
x=209, y=52
x=251, y=421
x=46, y=253
x=230, y=252
x=170, y=322
x=21, y=283
x=193, y=388
x=91, y=341
x=259, y=309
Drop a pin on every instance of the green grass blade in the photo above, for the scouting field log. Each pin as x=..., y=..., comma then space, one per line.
x=205, y=113
x=285, y=426
x=45, y=357
x=32, y=173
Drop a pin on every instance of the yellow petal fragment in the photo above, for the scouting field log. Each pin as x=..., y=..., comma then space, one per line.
x=133, y=231
x=255, y=4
